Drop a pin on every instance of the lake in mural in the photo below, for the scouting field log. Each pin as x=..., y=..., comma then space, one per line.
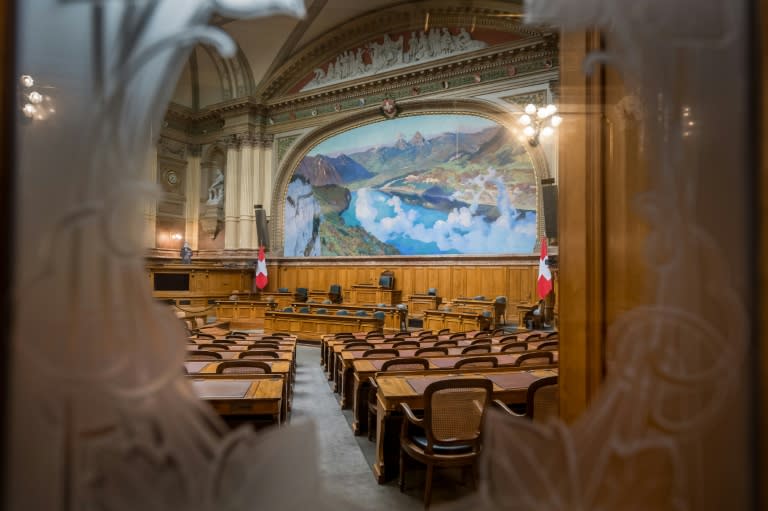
x=421, y=185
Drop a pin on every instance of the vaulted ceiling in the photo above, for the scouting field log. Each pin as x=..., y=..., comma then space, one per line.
x=267, y=45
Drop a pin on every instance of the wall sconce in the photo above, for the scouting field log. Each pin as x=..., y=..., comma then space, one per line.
x=176, y=236
x=32, y=103
x=540, y=121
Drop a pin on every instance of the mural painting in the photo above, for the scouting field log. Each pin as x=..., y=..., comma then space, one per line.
x=419, y=185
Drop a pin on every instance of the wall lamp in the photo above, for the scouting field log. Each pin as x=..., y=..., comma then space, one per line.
x=539, y=121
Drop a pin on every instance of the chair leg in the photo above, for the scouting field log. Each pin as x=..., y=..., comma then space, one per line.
x=402, y=471
x=474, y=475
x=428, y=486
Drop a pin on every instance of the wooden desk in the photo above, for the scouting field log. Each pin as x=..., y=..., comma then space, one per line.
x=455, y=321
x=496, y=309
x=256, y=395
x=207, y=370
x=313, y=326
x=373, y=295
x=243, y=312
x=281, y=299
x=363, y=369
x=509, y=386
x=417, y=304
x=393, y=317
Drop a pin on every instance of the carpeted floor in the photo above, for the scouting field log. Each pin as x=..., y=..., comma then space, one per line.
x=345, y=461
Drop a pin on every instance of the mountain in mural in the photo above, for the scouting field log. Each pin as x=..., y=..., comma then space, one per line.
x=407, y=157
x=326, y=170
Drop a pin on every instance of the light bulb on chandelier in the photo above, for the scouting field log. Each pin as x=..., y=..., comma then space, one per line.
x=539, y=121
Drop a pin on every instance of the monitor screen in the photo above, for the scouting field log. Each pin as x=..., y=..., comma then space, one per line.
x=171, y=281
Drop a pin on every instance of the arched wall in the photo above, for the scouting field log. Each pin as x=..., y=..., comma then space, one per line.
x=289, y=163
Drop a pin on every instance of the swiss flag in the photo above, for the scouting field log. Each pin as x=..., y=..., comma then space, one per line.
x=261, y=270
x=544, y=284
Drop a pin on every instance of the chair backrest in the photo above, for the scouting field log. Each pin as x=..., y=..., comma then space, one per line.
x=479, y=362
x=483, y=348
x=203, y=355
x=236, y=332
x=535, y=358
x=381, y=353
x=236, y=336
x=205, y=336
x=458, y=336
x=434, y=350
x=483, y=340
x=358, y=345
x=406, y=344
x=432, y=291
x=448, y=342
x=272, y=338
x=513, y=347
x=402, y=334
x=374, y=332
x=542, y=399
x=304, y=310
x=213, y=347
x=553, y=335
x=380, y=315
x=533, y=337
x=264, y=345
x=424, y=333
x=498, y=331
x=405, y=364
x=282, y=335
x=549, y=345
x=338, y=335
x=227, y=342
x=361, y=313
x=283, y=290
x=374, y=335
x=243, y=367
x=508, y=338
x=454, y=411
x=444, y=331
x=259, y=354
x=481, y=335
x=430, y=337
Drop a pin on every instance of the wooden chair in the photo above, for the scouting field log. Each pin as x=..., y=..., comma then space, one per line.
x=381, y=353
x=478, y=362
x=514, y=347
x=345, y=335
x=235, y=332
x=483, y=348
x=394, y=364
x=535, y=358
x=533, y=337
x=406, y=344
x=243, y=367
x=458, y=336
x=424, y=333
x=549, y=345
x=508, y=338
x=282, y=335
x=264, y=345
x=203, y=355
x=481, y=334
x=449, y=435
x=450, y=343
x=402, y=334
x=430, y=337
x=212, y=347
x=205, y=336
x=433, y=350
x=553, y=335
x=377, y=336
x=542, y=401
x=228, y=342
x=236, y=336
x=258, y=354
x=444, y=331
x=357, y=345
x=482, y=340
x=274, y=338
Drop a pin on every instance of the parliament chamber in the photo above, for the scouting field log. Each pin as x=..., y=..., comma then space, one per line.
x=415, y=254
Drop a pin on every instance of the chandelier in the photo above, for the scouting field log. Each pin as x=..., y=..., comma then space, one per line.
x=539, y=122
x=33, y=104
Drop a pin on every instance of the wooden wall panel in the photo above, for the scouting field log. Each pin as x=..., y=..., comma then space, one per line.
x=452, y=279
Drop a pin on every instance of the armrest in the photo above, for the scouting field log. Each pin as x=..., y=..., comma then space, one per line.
x=507, y=409
x=410, y=416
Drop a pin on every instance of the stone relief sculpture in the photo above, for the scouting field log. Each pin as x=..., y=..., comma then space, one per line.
x=392, y=53
x=216, y=190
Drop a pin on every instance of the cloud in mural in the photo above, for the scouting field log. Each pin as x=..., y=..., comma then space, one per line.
x=388, y=218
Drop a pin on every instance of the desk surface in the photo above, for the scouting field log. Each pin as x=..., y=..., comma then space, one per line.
x=257, y=395
x=204, y=367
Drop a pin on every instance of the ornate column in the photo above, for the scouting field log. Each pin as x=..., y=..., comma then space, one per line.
x=192, y=194
x=247, y=227
x=231, y=198
x=265, y=170
x=149, y=204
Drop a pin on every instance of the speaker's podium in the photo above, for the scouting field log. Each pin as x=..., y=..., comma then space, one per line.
x=371, y=294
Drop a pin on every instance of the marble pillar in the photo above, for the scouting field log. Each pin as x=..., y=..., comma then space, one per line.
x=192, y=195
x=231, y=194
x=149, y=204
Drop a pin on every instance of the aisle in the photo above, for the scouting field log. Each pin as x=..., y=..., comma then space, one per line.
x=343, y=468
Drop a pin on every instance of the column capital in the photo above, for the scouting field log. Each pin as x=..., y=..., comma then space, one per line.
x=195, y=150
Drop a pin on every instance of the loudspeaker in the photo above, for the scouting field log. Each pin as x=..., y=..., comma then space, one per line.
x=549, y=200
x=262, y=230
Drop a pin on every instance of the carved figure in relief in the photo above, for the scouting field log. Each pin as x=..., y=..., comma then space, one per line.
x=186, y=253
x=446, y=42
x=216, y=190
